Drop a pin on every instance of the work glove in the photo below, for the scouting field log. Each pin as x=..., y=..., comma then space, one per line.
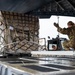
x=56, y=25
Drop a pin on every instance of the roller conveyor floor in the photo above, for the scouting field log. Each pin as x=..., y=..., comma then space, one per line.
x=39, y=65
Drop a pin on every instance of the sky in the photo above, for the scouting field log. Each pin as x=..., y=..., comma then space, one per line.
x=47, y=28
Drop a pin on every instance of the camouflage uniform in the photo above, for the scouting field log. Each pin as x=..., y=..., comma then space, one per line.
x=71, y=34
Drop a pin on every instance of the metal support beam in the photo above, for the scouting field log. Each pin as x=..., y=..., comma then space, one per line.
x=59, y=5
x=71, y=4
x=59, y=13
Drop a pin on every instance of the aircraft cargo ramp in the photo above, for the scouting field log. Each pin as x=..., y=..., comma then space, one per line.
x=37, y=66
